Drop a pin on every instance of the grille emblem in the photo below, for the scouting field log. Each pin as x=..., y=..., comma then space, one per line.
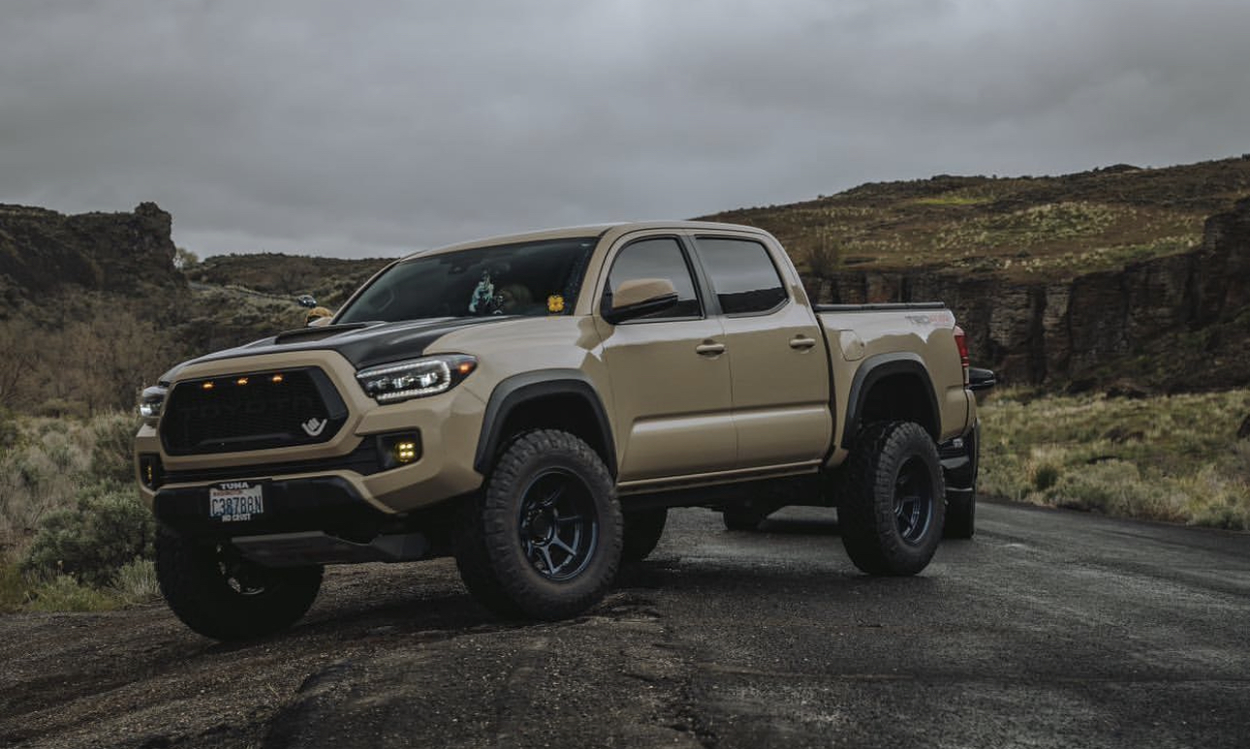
x=314, y=427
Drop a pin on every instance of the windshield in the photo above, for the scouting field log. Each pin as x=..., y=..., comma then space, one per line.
x=531, y=278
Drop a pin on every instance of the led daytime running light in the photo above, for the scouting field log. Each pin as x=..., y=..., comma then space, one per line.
x=414, y=379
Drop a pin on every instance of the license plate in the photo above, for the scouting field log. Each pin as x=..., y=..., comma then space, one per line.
x=236, y=501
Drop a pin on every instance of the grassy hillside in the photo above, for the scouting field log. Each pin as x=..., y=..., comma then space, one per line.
x=1020, y=227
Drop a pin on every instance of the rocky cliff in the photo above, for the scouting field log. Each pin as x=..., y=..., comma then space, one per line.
x=43, y=252
x=1177, y=322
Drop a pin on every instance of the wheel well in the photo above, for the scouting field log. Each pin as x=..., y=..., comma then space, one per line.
x=900, y=397
x=568, y=412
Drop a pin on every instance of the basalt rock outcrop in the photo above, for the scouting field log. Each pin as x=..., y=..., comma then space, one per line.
x=44, y=253
x=1095, y=328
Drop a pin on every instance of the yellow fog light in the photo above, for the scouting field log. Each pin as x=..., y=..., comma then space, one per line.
x=150, y=472
x=398, y=449
x=405, y=452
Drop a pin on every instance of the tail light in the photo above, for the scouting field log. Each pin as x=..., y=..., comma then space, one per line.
x=961, y=342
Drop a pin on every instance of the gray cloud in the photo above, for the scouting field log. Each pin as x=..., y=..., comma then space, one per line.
x=378, y=127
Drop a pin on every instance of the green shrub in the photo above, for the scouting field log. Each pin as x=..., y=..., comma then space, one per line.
x=105, y=530
x=112, y=439
x=1045, y=475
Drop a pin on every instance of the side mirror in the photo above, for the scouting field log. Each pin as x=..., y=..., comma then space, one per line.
x=639, y=297
x=318, y=316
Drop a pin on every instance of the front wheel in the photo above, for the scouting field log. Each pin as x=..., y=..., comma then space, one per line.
x=543, y=538
x=218, y=593
x=892, y=500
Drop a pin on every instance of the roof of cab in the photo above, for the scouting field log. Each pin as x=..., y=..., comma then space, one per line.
x=591, y=230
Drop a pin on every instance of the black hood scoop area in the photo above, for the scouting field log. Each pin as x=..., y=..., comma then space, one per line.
x=364, y=344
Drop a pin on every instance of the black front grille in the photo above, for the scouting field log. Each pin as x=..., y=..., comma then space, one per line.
x=251, y=411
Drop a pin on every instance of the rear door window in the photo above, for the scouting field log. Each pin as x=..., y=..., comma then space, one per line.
x=661, y=257
x=743, y=275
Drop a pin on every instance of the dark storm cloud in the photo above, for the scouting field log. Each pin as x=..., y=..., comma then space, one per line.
x=375, y=127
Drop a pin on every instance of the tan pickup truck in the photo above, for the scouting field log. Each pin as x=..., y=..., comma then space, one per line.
x=534, y=404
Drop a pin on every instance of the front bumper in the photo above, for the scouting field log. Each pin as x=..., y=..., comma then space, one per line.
x=330, y=504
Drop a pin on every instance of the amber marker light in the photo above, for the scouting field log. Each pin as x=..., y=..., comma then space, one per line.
x=465, y=367
x=276, y=379
x=241, y=381
x=207, y=386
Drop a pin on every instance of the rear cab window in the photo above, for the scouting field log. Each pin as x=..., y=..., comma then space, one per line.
x=743, y=275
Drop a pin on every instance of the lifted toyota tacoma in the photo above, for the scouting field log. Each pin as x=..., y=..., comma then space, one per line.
x=532, y=405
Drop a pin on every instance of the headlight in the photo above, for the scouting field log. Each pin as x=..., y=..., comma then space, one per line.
x=151, y=402
x=416, y=378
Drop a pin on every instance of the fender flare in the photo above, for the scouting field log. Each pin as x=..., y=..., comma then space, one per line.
x=520, y=389
x=873, y=370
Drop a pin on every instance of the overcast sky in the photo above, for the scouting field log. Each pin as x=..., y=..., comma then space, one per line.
x=374, y=128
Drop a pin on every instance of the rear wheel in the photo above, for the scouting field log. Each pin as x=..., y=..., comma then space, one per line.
x=218, y=593
x=643, y=529
x=892, y=500
x=543, y=539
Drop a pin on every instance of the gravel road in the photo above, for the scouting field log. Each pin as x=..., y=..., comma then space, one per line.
x=1050, y=629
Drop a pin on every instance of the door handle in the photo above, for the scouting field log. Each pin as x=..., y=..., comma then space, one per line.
x=802, y=342
x=709, y=348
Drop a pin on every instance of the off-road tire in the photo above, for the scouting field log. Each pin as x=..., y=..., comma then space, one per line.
x=496, y=562
x=219, y=594
x=643, y=529
x=888, y=459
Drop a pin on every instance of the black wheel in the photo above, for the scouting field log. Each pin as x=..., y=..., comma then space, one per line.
x=218, y=593
x=893, y=499
x=961, y=503
x=744, y=517
x=543, y=538
x=643, y=529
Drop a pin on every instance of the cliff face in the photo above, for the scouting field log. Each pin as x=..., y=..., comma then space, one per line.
x=1098, y=326
x=43, y=252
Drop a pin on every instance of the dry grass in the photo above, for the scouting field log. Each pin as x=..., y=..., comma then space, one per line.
x=1171, y=458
